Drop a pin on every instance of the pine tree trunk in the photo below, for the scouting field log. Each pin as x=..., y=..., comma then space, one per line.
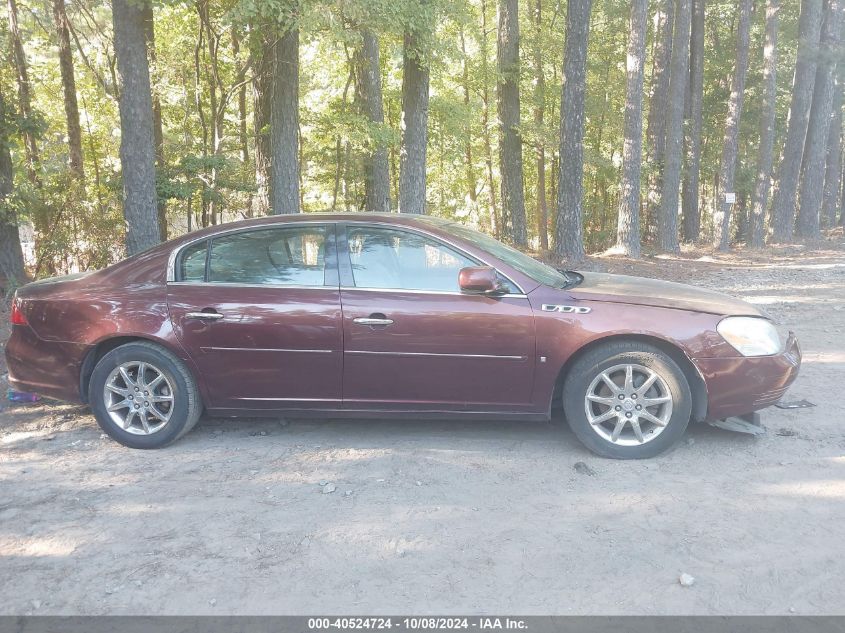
x=842, y=196
x=569, y=241
x=216, y=105
x=262, y=90
x=628, y=228
x=783, y=207
x=284, y=126
x=158, y=129
x=765, y=151
x=510, y=144
x=376, y=168
x=199, y=105
x=656, y=128
x=495, y=223
x=667, y=218
x=472, y=191
x=833, y=168
x=692, y=139
x=137, y=152
x=821, y=112
x=74, y=130
x=11, y=256
x=539, y=122
x=33, y=158
x=415, y=78
x=730, y=146
x=243, y=136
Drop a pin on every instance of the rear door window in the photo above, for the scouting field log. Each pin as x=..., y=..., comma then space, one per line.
x=290, y=256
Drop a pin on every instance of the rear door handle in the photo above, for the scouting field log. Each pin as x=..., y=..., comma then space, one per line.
x=372, y=321
x=205, y=316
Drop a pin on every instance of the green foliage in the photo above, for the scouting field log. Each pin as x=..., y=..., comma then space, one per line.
x=79, y=223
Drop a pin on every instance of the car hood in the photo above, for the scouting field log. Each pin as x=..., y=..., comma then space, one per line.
x=655, y=292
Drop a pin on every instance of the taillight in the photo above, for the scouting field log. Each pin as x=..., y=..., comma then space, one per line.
x=18, y=317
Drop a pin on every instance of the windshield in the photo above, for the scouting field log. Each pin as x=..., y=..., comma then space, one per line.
x=538, y=271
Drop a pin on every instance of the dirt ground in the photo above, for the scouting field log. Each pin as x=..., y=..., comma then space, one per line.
x=447, y=517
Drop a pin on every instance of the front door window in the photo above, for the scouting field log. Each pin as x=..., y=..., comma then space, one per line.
x=389, y=258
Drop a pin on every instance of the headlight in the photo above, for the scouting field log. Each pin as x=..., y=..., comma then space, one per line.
x=750, y=336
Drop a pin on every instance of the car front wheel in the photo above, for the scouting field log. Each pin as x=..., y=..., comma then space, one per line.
x=143, y=396
x=627, y=400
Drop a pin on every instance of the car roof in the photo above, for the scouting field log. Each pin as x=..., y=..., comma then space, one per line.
x=401, y=219
x=438, y=227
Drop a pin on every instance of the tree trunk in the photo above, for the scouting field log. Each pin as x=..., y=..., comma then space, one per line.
x=510, y=144
x=656, y=127
x=11, y=255
x=495, y=223
x=765, y=151
x=628, y=228
x=667, y=218
x=842, y=196
x=415, y=78
x=569, y=241
x=24, y=96
x=243, y=136
x=692, y=139
x=74, y=130
x=472, y=191
x=342, y=152
x=821, y=113
x=539, y=122
x=158, y=129
x=137, y=152
x=284, y=126
x=216, y=101
x=833, y=168
x=376, y=168
x=262, y=90
x=741, y=216
x=730, y=146
x=199, y=104
x=783, y=207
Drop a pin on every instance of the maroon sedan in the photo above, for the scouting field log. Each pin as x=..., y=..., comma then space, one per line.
x=364, y=315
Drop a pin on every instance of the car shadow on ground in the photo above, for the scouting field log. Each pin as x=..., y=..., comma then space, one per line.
x=340, y=433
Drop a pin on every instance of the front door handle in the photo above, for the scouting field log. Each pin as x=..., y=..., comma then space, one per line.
x=205, y=316
x=373, y=321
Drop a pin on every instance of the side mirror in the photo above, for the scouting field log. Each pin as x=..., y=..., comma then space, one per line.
x=480, y=280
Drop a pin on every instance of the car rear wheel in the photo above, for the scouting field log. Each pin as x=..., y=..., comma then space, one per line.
x=627, y=400
x=143, y=396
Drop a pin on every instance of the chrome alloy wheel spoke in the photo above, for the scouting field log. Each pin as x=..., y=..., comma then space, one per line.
x=628, y=404
x=138, y=398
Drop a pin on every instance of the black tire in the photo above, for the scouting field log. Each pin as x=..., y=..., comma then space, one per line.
x=186, y=405
x=587, y=368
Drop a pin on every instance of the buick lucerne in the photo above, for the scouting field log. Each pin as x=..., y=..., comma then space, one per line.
x=389, y=315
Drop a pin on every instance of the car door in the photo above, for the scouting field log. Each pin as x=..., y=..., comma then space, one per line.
x=259, y=312
x=413, y=340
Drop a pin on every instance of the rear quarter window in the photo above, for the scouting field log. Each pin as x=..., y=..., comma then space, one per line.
x=192, y=262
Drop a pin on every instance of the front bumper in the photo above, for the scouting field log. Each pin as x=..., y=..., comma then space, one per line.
x=736, y=386
x=49, y=368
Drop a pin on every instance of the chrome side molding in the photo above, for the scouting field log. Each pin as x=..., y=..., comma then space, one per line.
x=205, y=316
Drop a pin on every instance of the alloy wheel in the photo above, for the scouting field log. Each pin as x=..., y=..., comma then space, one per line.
x=138, y=397
x=628, y=405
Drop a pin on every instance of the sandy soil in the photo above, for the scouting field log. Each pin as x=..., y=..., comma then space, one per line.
x=447, y=517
